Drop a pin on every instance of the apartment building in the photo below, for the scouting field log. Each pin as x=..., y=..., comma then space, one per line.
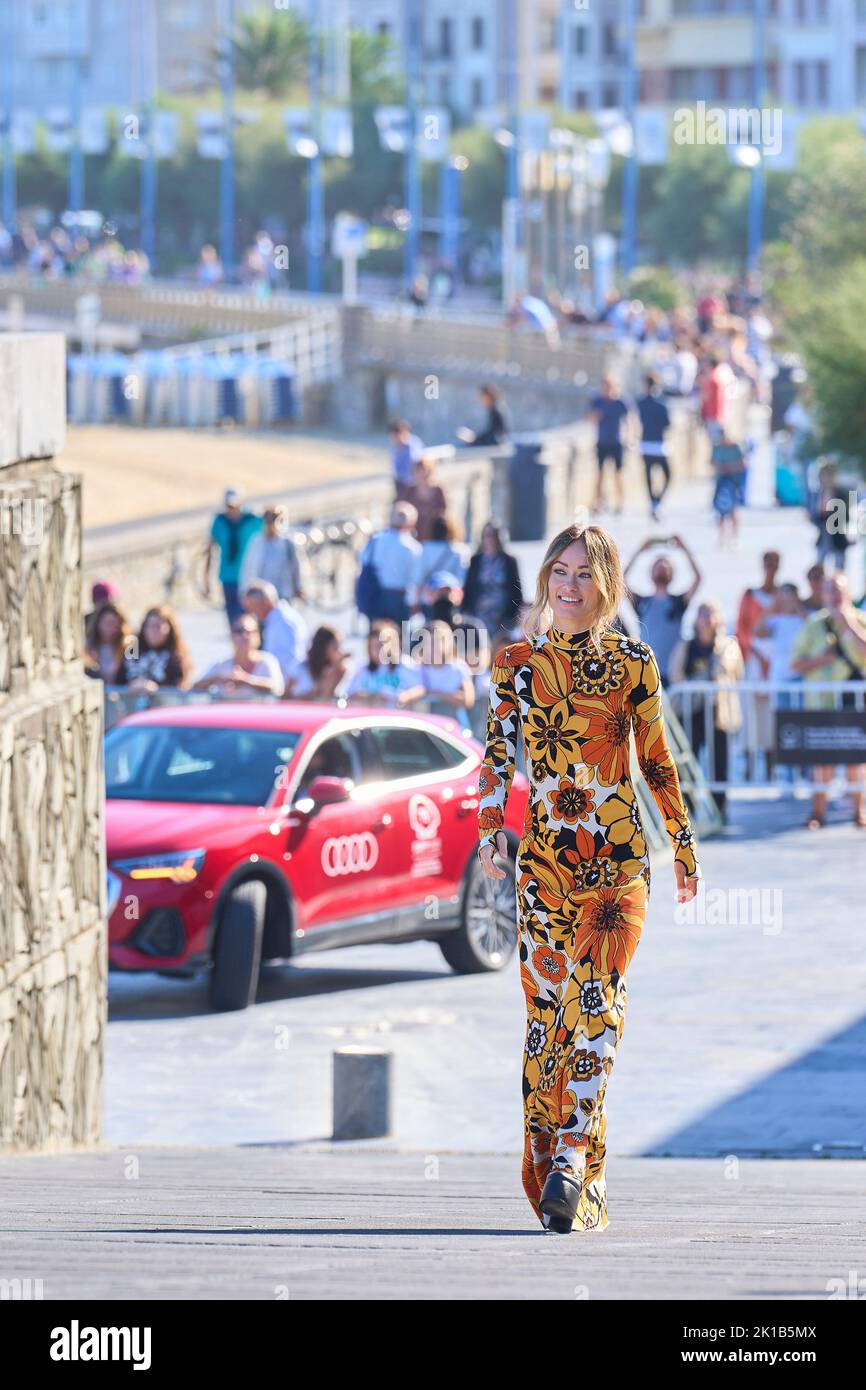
x=566, y=52
x=814, y=52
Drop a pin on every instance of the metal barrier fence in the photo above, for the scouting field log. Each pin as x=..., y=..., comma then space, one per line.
x=743, y=757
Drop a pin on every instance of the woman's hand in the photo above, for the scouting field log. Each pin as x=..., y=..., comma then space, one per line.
x=486, y=853
x=686, y=887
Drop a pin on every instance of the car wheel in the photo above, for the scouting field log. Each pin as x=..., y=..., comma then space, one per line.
x=487, y=935
x=238, y=948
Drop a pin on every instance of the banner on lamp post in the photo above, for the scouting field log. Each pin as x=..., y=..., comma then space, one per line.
x=433, y=133
x=534, y=131
x=58, y=129
x=392, y=123
x=337, y=136
x=651, y=135
x=24, y=131
x=299, y=131
x=93, y=130
x=211, y=141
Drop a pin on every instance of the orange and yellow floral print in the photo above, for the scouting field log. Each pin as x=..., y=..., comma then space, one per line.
x=605, y=744
x=611, y=921
x=570, y=802
x=583, y=876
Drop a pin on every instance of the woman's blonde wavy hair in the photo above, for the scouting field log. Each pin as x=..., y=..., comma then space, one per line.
x=605, y=567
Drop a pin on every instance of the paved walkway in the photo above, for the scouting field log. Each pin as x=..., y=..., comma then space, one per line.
x=270, y=1223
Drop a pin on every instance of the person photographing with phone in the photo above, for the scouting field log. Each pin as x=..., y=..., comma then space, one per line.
x=660, y=613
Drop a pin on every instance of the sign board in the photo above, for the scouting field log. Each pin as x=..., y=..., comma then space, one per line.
x=24, y=131
x=348, y=236
x=211, y=140
x=392, y=123
x=781, y=150
x=651, y=135
x=58, y=129
x=821, y=737
x=94, y=130
x=337, y=132
x=165, y=133
x=433, y=130
x=299, y=131
x=534, y=131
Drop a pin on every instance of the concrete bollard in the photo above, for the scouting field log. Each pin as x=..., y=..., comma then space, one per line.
x=362, y=1093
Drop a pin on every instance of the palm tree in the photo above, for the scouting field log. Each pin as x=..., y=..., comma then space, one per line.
x=270, y=52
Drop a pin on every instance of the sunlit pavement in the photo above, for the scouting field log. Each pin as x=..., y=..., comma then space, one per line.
x=276, y=1224
x=743, y=1035
x=744, y=1030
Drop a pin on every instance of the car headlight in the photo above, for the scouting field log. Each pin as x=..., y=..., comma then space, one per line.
x=113, y=886
x=181, y=866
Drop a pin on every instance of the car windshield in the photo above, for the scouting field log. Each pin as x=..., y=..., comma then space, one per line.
x=172, y=762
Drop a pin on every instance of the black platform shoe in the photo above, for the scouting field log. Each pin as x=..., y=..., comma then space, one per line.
x=559, y=1200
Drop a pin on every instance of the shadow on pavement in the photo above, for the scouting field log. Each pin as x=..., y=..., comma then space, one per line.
x=814, y=1107
x=151, y=996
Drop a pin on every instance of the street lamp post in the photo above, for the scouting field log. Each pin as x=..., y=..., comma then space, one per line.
x=449, y=209
x=511, y=220
x=630, y=169
x=413, y=164
x=9, y=194
x=76, y=151
x=315, y=184
x=227, y=164
x=147, y=17
x=756, y=186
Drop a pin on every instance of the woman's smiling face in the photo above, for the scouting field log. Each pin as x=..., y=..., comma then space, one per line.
x=572, y=593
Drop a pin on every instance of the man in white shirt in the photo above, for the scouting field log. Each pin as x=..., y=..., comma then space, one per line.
x=394, y=553
x=284, y=631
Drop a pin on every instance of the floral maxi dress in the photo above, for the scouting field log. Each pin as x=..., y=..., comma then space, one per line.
x=583, y=875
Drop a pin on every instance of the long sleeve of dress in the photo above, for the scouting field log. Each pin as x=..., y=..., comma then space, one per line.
x=497, y=769
x=657, y=764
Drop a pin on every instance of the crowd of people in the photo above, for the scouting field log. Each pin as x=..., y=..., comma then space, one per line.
x=456, y=608
x=698, y=354
x=785, y=634
x=101, y=258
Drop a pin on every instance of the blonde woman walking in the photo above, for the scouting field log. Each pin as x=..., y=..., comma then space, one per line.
x=576, y=689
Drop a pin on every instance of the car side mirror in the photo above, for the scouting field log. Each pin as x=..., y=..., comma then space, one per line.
x=325, y=791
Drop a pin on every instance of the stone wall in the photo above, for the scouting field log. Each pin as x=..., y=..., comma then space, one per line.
x=52, y=859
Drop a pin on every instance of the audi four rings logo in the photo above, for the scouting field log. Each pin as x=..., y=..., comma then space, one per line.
x=349, y=854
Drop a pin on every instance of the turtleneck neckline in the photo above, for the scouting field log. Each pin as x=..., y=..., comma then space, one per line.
x=566, y=639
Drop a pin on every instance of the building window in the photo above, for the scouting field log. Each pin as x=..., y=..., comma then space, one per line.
x=580, y=100
x=445, y=44
x=608, y=40
x=801, y=83
x=609, y=96
x=477, y=92
x=383, y=29
x=683, y=84
x=444, y=87
x=580, y=39
x=478, y=32
x=741, y=83
x=821, y=83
